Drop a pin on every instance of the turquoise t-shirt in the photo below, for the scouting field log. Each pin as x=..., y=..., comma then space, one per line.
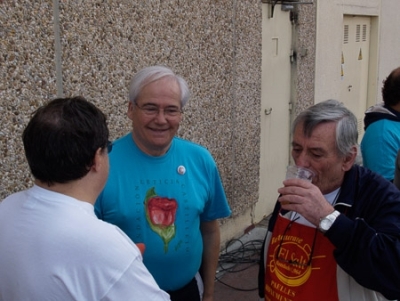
x=380, y=145
x=160, y=201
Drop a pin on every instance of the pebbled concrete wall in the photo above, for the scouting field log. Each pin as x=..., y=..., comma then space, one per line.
x=92, y=48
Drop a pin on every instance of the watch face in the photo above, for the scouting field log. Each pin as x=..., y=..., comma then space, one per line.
x=327, y=221
x=325, y=224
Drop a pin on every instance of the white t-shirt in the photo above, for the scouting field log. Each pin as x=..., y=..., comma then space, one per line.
x=53, y=247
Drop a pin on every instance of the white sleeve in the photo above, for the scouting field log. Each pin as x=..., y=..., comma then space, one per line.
x=136, y=284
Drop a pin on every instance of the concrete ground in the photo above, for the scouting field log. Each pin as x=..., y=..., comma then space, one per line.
x=236, y=278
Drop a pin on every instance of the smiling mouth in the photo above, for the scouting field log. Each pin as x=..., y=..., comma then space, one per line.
x=158, y=130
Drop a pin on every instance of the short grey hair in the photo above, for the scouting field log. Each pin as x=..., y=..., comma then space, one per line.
x=151, y=74
x=331, y=111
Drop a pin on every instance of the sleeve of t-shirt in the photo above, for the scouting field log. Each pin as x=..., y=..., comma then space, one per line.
x=217, y=205
x=136, y=283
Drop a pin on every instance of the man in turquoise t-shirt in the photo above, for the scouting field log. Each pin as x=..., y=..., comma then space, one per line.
x=164, y=191
x=381, y=140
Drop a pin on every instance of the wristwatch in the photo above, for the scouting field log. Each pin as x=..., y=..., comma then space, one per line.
x=326, y=222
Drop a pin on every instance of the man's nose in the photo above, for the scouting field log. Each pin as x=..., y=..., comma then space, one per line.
x=303, y=160
x=160, y=117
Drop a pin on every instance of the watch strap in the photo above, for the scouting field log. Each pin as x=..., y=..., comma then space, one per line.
x=326, y=222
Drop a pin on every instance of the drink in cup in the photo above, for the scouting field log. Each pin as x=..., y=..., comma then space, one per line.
x=299, y=172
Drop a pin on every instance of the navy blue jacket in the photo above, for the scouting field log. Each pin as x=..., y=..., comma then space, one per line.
x=367, y=235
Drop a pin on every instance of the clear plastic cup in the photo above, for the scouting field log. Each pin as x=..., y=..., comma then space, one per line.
x=299, y=172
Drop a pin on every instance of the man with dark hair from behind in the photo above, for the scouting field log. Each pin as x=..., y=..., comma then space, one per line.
x=381, y=140
x=52, y=246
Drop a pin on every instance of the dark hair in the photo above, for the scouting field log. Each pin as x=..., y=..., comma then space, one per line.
x=62, y=138
x=391, y=88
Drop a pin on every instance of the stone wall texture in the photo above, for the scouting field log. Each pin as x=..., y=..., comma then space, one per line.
x=92, y=48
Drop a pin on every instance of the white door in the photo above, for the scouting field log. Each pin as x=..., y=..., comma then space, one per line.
x=275, y=105
x=355, y=65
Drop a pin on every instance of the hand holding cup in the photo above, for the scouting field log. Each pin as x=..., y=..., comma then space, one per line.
x=298, y=172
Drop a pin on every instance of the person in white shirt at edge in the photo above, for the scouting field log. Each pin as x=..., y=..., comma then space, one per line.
x=52, y=246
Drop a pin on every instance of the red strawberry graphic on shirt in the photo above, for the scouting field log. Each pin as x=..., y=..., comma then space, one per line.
x=160, y=214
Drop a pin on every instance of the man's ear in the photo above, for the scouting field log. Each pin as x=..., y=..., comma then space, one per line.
x=130, y=110
x=99, y=158
x=349, y=159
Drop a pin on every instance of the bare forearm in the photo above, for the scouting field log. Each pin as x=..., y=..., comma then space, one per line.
x=211, y=242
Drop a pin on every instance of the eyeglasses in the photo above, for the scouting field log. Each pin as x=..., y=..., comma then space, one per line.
x=109, y=146
x=152, y=110
x=290, y=261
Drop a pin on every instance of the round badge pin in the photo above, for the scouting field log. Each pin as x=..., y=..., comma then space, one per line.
x=181, y=170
